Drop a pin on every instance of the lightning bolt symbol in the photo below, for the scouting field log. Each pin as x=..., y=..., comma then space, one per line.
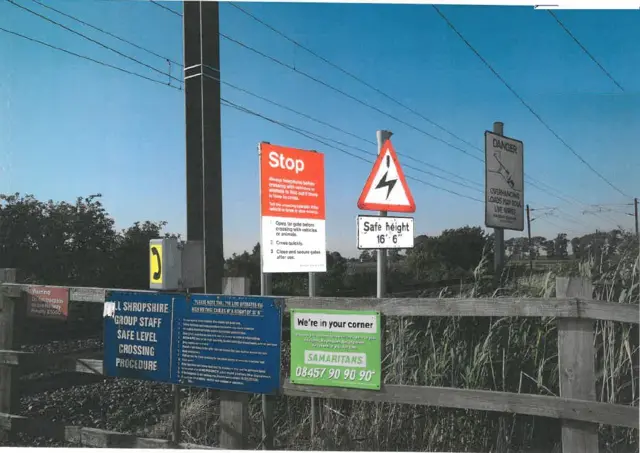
x=388, y=184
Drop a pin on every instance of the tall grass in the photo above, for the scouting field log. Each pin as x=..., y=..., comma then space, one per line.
x=505, y=354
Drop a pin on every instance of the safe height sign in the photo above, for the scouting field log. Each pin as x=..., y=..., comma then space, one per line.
x=292, y=209
x=504, y=185
x=385, y=232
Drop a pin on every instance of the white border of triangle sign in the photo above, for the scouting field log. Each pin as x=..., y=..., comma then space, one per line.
x=386, y=188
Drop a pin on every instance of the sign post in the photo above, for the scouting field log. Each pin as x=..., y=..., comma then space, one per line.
x=504, y=188
x=386, y=190
x=381, y=264
x=292, y=233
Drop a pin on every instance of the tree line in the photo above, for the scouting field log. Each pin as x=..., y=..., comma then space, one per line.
x=77, y=244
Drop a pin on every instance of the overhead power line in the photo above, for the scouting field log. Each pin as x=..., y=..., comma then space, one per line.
x=107, y=33
x=523, y=102
x=135, y=60
x=344, y=93
x=301, y=132
x=568, y=201
x=308, y=134
x=166, y=8
x=233, y=86
x=533, y=181
x=611, y=204
x=84, y=57
x=315, y=136
x=339, y=129
x=350, y=74
x=324, y=140
x=584, y=49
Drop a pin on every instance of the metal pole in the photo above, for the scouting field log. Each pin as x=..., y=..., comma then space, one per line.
x=382, y=137
x=498, y=247
x=635, y=205
x=530, y=243
x=635, y=209
x=265, y=290
x=314, y=402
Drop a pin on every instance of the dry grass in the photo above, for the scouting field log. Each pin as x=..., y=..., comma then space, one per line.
x=506, y=354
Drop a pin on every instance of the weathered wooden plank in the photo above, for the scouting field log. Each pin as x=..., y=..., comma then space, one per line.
x=76, y=294
x=576, y=357
x=30, y=361
x=58, y=381
x=484, y=400
x=539, y=405
x=90, y=437
x=91, y=366
x=10, y=316
x=96, y=295
x=472, y=307
x=465, y=307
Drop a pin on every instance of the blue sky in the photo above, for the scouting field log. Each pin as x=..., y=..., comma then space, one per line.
x=69, y=127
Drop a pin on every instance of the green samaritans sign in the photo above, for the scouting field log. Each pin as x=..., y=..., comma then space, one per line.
x=335, y=348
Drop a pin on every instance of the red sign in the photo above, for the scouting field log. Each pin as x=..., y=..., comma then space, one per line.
x=292, y=183
x=292, y=210
x=48, y=302
x=386, y=188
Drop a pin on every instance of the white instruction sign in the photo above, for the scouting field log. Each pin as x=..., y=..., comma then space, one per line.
x=385, y=232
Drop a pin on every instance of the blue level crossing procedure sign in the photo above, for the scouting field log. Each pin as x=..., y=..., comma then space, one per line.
x=218, y=342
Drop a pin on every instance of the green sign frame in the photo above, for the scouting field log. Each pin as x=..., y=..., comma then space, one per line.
x=336, y=348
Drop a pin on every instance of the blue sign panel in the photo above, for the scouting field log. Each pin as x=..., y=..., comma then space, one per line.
x=229, y=343
x=138, y=334
x=219, y=342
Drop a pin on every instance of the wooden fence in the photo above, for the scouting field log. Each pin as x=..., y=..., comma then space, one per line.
x=576, y=408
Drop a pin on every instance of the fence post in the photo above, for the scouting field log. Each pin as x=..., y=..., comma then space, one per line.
x=266, y=281
x=234, y=406
x=9, y=374
x=576, y=365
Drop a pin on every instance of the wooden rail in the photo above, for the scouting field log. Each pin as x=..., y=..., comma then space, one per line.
x=89, y=437
x=576, y=408
x=512, y=403
x=568, y=307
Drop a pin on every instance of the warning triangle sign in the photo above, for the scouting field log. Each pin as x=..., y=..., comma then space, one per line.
x=386, y=188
